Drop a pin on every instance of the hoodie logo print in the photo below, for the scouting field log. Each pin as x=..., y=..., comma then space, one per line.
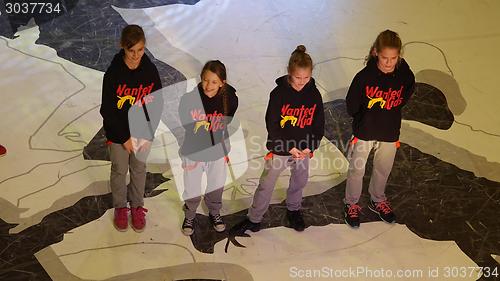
x=209, y=122
x=387, y=99
x=373, y=101
x=203, y=123
x=286, y=118
x=138, y=95
x=301, y=116
x=122, y=100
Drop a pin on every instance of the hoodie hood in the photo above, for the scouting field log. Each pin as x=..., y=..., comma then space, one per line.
x=119, y=63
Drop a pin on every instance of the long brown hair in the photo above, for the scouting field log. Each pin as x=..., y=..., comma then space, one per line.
x=217, y=67
x=385, y=39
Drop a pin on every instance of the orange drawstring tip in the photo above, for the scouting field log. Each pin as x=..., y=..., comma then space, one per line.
x=268, y=156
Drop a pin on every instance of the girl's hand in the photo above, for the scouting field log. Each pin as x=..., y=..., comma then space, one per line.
x=128, y=145
x=297, y=154
x=143, y=145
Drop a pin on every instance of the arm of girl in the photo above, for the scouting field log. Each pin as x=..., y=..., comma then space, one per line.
x=354, y=96
x=318, y=124
x=276, y=142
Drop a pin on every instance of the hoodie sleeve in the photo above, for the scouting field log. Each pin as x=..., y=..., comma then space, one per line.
x=318, y=124
x=409, y=88
x=233, y=106
x=113, y=125
x=354, y=96
x=275, y=141
x=184, y=118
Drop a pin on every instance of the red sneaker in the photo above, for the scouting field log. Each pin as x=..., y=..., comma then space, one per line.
x=121, y=219
x=138, y=219
x=3, y=150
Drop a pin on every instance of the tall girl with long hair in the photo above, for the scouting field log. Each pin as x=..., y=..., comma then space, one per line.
x=375, y=99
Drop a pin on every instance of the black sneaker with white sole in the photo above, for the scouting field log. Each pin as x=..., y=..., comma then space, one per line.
x=188, y=226
x=243, y=226
x=217, y=222
x=351, y=214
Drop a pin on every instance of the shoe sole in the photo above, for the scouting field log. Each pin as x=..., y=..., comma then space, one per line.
x=255, y=229
x=187, y=234
x=138, y=230
x=298, y=230
x=119, y=229
x=219, y=231
x=352, y=226
x=378, y=213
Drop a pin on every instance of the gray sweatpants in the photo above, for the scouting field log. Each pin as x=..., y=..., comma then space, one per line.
x=382, y=165
x=121, y=163
x=216, y=178
x=272, y=169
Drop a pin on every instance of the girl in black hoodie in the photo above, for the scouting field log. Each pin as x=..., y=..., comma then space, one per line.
x=205, y=114
x=127, y=90
x=295, y=125
x=375, y=99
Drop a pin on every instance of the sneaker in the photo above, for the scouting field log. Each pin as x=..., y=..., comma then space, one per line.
x=384, y=210
x=188, y=226
x=245, y=225
x=296, y=220
x=138, y=218
x=3, y=150
x=351, y=214
x=217, y=222
x=121, y=219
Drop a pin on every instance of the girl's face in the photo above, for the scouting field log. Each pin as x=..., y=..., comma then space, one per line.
x=211, y=83
x=387, y=59
x=300, y=77
x=135, y=53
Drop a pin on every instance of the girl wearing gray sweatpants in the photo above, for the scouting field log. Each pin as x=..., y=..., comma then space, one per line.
x=295, y=125
x=205, y=114
x=375, y=99
x=129, y=87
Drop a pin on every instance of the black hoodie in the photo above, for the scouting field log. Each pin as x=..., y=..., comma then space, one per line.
x=122, y=88
x=205, y=124
x=375, y=100
x=294, y=119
